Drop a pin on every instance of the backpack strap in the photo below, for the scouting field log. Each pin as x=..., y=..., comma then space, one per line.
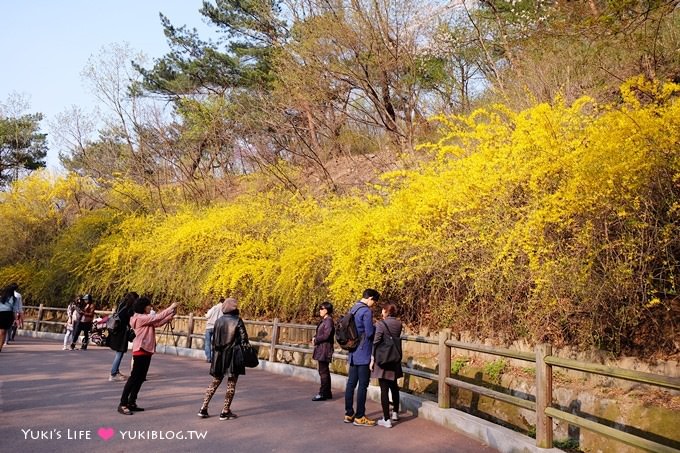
x=363, y=305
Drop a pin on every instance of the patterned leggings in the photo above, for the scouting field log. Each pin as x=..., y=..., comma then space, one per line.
x=212, y=388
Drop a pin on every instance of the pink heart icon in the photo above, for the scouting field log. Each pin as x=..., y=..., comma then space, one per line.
x=106, y=433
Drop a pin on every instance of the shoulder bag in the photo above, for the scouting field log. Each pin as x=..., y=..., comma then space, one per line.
x=388, y=353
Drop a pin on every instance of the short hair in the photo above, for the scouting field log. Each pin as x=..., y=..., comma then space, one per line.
x=371, y=294
x=141, y=304
x=328, y=306
x=390, y=308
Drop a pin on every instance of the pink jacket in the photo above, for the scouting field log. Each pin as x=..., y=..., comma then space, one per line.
x=145, y=329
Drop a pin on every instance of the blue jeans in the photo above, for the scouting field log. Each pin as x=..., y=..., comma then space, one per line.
x=207, y=342
x=116, y=363
x=358, y=374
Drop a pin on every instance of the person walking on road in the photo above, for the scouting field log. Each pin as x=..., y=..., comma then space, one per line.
x=387, y=377
x=229, y=332
x=84, y=324
x=360, y=359
x=143, y=347
x=71, y=320
x=18, y=315
x=10, y=311
x=323, y=350
x=118, y=339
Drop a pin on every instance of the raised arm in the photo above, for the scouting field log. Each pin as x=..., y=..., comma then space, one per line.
x=158, y=319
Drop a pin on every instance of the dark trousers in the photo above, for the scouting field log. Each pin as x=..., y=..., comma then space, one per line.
x=388, y=385
x=81, y=327
x=358, y=374
x=325, y=377
x=140, y=366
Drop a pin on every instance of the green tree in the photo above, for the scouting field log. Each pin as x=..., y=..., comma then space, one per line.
x=251, y=31
x=22, y=146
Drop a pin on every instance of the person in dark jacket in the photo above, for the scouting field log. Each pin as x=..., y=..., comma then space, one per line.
x=323, y=350
x=359, y=360
x=229, y=332
x=387, y=377
x=86, y=316
x=118, y=339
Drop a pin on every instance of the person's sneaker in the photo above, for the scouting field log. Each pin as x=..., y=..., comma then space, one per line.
x=203, y=413
x=65, y=348
x=385, y=423
x=363, y=421
x=349, y=418
x=124, y=410
x=395, y=416
x=117, y=377
x=227, y=415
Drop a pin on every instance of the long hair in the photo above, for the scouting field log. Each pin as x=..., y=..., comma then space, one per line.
x=129, y=299
x=7, y=292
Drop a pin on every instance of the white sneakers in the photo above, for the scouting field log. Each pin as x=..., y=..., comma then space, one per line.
x=117, y=377
x=388, y=423
x=385, y=423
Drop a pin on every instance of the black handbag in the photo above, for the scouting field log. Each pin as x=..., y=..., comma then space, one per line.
x=249, y=354
x=388, y=352
x=131, y=334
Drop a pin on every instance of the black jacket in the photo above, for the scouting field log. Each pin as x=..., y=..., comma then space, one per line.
x=229, y=331
x=118, y=340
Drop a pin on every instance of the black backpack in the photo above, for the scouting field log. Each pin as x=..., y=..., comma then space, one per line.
x=346, y=333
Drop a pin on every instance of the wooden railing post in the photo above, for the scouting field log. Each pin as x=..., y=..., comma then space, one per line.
x=275, y=340
x=36, y=326
x=544, y=428
x=443, y=389
x=190, y=330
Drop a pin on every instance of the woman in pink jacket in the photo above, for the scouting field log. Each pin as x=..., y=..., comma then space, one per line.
x=143, y=347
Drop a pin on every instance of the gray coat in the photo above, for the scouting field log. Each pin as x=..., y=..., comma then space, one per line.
x=394, y=326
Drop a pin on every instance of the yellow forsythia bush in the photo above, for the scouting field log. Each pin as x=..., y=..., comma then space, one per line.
x=559, y=222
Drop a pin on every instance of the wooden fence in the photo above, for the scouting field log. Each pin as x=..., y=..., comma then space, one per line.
x=297, y=338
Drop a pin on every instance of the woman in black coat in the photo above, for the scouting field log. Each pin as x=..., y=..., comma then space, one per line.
x=323, y=350
x=118, y=339
x=387, y=377
x=229, y=332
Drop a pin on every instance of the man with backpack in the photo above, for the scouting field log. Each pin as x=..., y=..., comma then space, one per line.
x=360, y=358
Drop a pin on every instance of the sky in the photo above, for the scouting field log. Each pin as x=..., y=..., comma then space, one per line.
x=47, y=43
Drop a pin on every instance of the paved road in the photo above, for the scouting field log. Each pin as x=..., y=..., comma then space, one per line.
x=61, y=401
